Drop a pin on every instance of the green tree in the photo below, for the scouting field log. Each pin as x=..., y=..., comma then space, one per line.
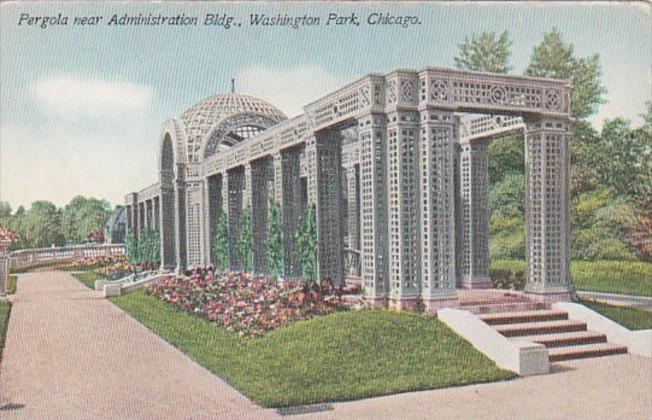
x=221, y=243
x=5, y=211
x=149, y=248
x=507, y=197
x=587, y=158
x=506, y=156
x=485, y=52
x=245, y=242
x=42, y=225
x=16, y=224
x=626, y=166
x=82, y=216
x=133, y=250
x=556, y=59
x=274, y=240
x=305, y=244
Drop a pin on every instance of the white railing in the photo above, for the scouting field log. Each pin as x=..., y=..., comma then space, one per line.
x=45, y=256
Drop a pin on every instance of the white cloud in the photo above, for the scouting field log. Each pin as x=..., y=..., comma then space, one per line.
x=74, y=98
x=288, y=89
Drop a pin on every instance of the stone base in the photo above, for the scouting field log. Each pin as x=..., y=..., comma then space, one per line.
x=403, y=303
x=112, y=290
x=549, y=297
x=376, y=302
x=476, y=282
x=433, y=305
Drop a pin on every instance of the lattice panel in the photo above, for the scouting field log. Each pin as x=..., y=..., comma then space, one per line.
x=202, y=117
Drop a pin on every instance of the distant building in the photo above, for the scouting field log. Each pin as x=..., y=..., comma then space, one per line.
x=115, y=228
x=396, y=166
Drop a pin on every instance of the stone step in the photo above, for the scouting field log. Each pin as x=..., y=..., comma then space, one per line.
x=544, y=327
x=493, y=300
x=503, y=307
x=523, y=316
x=559, y=354
x=564, y=339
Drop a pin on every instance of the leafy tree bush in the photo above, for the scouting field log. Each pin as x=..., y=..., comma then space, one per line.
x=507, y=197
x=507, y=236
x=274, y=240
x=556, y=59
x=82, y=216
x=485, y=52
x=221, y=243
x=133, y=251
x=506, y=156
x=245, y=242
x=305, y=244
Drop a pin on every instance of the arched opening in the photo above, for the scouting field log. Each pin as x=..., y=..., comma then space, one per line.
x=167, y=214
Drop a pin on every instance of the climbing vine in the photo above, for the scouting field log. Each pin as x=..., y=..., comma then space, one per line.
x=221, y=243
x=274, y=240
x=245, y=245
x=305, y=244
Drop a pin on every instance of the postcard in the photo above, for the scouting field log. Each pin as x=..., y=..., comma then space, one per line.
x=325, y=210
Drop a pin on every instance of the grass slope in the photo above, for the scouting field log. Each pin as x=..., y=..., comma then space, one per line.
x=625, y=277
x=87, y=278
x=12, y=282
x=5, y=309
x=632, y=318
x=345, y=356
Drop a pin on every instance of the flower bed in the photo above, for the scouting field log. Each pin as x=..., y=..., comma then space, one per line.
x=246, y=304
x=93, y=263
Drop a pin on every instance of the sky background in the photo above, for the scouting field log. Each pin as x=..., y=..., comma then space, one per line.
x=81, y=108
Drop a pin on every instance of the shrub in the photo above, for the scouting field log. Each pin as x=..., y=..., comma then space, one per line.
x=507, y=239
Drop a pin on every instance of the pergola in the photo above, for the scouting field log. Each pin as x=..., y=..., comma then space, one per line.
x=396, y=166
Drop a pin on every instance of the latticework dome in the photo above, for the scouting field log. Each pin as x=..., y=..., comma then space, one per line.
x=228, y=119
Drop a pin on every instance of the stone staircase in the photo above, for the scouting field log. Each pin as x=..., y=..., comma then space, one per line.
x=564, y=338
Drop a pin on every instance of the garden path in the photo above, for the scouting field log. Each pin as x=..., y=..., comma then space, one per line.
x=71, y=354
x=614, y=387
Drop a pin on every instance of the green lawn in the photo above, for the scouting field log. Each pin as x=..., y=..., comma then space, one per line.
x=5, y=308
x=11, y=284
x=344, y=356
x=625, y=277
x=632, y=318
x=87, y=278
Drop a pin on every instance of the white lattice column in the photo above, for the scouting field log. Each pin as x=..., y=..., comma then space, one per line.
x=402, y=198
x=372, y=134
x=311, y=158
x=168, y=226
x=148, y=214
x=142, y=227
x=247, y=188
x=291, y=209
x=277, y=171
x=261, y=172
x=437, y=190
x=236, y=184
x=330, y=233
x=547, y=163
x=180, y=225
x=156, y=218
x=353, y=202
x=129, y=224
x=225, y=194
x=474, y=218
x=215, y=206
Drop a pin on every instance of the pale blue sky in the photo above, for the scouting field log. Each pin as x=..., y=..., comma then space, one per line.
x=81, y=108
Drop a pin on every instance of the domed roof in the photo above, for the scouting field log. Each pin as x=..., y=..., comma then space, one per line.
x=202, y=117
